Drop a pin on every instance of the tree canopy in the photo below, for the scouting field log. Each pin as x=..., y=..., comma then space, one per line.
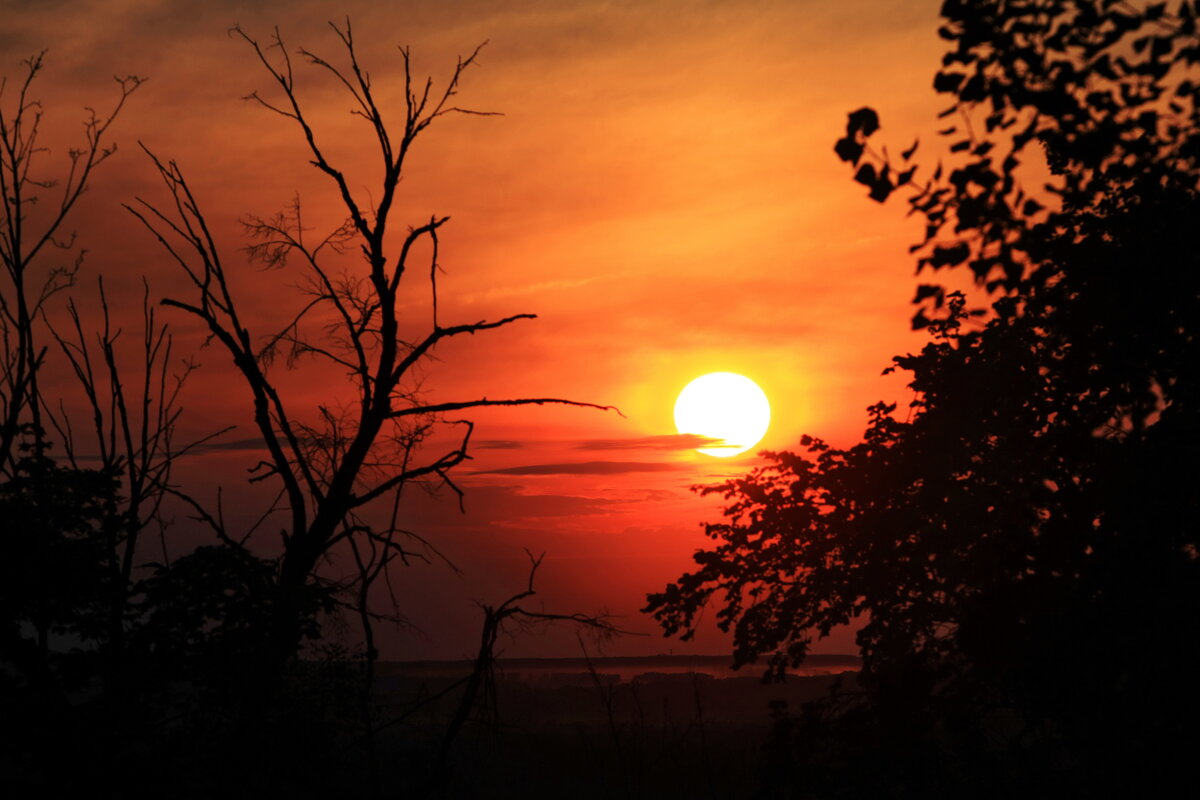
x=1024, y=542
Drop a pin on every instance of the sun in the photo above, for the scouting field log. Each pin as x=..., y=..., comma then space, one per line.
x=725, y=406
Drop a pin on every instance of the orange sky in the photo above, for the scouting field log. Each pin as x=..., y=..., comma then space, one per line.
x=661, y=191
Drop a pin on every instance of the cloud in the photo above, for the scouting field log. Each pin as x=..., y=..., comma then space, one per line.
x=532, y=288
x=506, y=505
x=584, y=468
x=235, y=444
x=204, y=447
x=497, y=444
x=257, y=444
x=673, y=441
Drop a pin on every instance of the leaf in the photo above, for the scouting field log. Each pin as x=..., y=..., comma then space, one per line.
x=1103, y=67
x=972, y=90
x=947, y=81
x=928, y=290
x=865, y=175
x=865, y=120
x=1125, y=22
x=848, y=149
x=883, y=187
x=907, y=154
x=958, y=57
x=949, y=255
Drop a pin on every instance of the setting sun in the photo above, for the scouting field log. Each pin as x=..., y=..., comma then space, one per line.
x=725, y=406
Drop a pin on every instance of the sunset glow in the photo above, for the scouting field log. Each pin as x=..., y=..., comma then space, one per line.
x=658, y=186
x=672, y=399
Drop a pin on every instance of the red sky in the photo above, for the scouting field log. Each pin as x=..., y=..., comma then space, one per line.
x=661, y=190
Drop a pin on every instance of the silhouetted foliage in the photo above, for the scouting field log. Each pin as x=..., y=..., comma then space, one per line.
x=206, y=610
x=59, y=564
x=1021, y=550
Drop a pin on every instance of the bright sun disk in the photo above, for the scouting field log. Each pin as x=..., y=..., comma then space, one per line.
x=725, y=406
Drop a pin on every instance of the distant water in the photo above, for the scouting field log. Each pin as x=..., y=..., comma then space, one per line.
x=619, y=669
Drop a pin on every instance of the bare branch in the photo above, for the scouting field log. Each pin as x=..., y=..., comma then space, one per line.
x=437, y=408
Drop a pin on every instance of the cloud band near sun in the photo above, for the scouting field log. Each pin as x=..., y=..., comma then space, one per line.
x=672, y=441
x=584, y=468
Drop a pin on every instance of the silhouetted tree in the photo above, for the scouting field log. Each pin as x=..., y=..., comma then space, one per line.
x=35, y=209
x=56, y=567
x=162, y=649
x=341, y=465
x=133, y=415
x=1020, y=552
x=74, y=499
x=58, y=539
x=479, y=693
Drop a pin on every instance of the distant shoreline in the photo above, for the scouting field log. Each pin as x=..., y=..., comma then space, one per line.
x=722, y=661
x=613, y=668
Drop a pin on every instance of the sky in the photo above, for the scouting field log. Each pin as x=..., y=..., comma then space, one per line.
x=660, y=188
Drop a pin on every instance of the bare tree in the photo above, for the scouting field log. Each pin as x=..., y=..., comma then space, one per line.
x=58, y=520
x=131, y=437
x=480, y=688
x=331, y=463
x=35, y=209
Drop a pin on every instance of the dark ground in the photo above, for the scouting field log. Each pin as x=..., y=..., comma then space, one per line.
x=562, y=731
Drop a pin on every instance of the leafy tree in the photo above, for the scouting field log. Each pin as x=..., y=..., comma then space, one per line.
x=205, y=611
x=57, y=566
x=1021, y=551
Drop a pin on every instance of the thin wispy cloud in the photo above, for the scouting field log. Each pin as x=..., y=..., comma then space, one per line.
x=673, y=441
x=235, y=444
x=198, y=449
x=497, y=444
x=584, y=468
